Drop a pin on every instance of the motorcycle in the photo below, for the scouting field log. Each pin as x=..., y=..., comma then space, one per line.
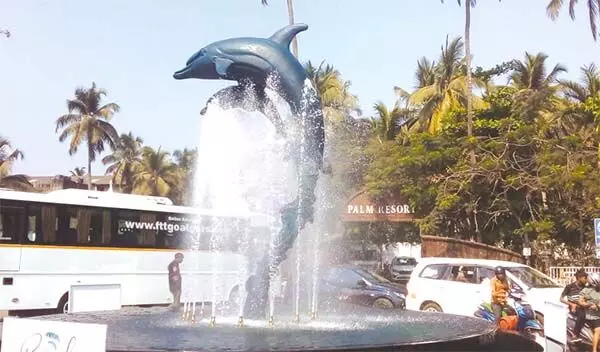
x=518, y=309
x=586, y=334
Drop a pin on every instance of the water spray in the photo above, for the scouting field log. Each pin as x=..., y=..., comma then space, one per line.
x=186, y=306
x=194, y=312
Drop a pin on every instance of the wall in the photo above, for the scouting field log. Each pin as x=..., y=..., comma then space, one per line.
x=434, y=246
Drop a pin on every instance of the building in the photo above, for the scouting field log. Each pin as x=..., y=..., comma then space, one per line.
x=52, y=183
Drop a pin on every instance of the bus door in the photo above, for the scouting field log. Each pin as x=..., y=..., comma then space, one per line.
x=12, y=223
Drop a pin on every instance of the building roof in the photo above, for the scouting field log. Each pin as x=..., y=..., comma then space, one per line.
x=96, y=180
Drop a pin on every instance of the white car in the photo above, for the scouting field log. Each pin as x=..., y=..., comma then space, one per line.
x=433, y=285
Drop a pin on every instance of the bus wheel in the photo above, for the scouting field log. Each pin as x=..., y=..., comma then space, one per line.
x=63, y=304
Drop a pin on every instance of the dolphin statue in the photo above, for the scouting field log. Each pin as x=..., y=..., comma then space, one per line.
x=254, y=60
x=268, y=63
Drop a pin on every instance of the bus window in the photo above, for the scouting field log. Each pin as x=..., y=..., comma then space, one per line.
x=135, y=229
x=179, y=231
x=95, y=236
x=34, y=225
x=12, y=221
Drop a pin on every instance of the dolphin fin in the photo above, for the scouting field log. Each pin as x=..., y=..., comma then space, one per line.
x=285, y=35
x=221, y=65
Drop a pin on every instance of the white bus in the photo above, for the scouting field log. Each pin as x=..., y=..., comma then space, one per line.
x=49, y=242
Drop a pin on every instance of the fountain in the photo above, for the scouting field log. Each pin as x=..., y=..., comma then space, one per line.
x=263, y=67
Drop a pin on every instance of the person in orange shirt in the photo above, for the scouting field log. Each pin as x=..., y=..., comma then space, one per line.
x=500, y=287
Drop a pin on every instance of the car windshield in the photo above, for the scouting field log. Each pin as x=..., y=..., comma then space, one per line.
x=372, y=277
x=532, y=277
x=405, y=261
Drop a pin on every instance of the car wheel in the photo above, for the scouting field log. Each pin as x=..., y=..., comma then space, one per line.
x=383, y=303
x=63, y=304
x=431, y=307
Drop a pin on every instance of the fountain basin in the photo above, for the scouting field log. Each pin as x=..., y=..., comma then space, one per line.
x=357, y=329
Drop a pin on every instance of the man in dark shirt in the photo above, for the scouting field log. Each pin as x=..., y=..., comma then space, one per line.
x=570, y=296
x=175, y=280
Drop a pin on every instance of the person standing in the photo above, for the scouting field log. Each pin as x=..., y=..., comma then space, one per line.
x=590, y=299
x=175, y=280
x=500, y=287
x=570, y=296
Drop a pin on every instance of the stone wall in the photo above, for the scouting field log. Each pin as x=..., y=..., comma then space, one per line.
x=434, y=246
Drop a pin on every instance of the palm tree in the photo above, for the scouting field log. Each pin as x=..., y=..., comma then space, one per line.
x=8, y=155
x=593, y=6
x=156, y=174
x=337, y=101
x=447, y=86
x=186, y=162
x=468, y=57
x=78, y=171
x=531, y=73
x=5, y=32
x=87, y=121
x=290, y=7
x=122, y=162
x=388, y=123
x=589, y=86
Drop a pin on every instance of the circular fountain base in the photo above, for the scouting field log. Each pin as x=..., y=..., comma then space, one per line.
x=161, y=329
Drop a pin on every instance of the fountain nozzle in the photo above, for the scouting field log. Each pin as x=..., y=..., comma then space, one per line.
x=213, y=322
x=241, y=322
x=313, y=315
x=185, y=311
x=297, y=318
x=271, y=321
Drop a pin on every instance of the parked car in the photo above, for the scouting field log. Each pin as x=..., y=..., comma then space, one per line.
x=401, y=268
x=354, y=285
x=458, y=285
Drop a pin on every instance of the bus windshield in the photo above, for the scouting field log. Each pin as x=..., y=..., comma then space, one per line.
x=533, y=278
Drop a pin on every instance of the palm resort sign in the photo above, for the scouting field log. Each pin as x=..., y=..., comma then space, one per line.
x=361, y=208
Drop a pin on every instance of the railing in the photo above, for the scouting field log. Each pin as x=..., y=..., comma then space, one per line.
x=566, y=274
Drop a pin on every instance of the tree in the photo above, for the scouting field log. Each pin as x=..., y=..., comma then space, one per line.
x=186, y=161
x=78, y=171
x=290, y=7
x=447, y=88
x=468, y=57
x=88, y=121
x=8, y=155
x=388, y=123
x=123, y=161
x=337, y=101
x=554, y=7
x=156, y=174
x=588, y=88
x=532, y=74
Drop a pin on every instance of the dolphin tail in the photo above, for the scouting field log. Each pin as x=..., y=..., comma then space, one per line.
x=285, y=35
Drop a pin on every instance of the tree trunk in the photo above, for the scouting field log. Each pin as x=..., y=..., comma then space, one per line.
x=90, y=151
x=290, y=6
x=469, y=78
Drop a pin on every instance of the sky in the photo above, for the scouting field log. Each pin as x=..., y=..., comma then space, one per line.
x=131, y=48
